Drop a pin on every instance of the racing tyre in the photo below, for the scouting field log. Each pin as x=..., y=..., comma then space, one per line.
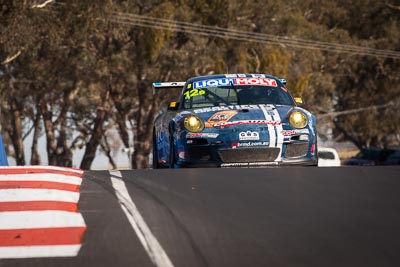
x=155, y=153
x=316, y=154
x=172, y=160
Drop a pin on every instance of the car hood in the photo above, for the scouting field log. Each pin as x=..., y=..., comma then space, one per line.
x=225, y=116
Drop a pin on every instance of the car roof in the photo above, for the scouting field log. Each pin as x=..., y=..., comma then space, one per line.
x=237, y=75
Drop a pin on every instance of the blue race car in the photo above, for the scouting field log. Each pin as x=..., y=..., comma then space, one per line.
x=233, y=120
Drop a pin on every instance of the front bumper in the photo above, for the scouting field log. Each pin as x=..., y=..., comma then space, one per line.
x=299, y=162
x=220, y=155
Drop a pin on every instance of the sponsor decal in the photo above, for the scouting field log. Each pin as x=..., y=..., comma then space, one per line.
x=248, y=164
x=247, y=107
x=235, y=81
x=222, y=116
x=269, y=113
x=258, y=75
x=194, y=92
x=256, y=81
x=249, y=135
x=213, y=83
x=211, y=109
x=246, y=122
x=288, y=132
x=292, y=132
x=244, y=75
x=248, y=144
x=223, y=108
x=235, y=75
x=202, y=135
x=312, y=149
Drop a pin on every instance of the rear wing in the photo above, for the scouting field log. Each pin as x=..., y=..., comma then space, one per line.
x=165, y=85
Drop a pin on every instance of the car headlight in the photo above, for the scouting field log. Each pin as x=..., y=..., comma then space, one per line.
x=298, y=119
x=193, y=124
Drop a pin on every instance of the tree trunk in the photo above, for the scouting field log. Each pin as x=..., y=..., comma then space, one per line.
x=15, y=131
x=16, y=134
x=97, y=133
x=63, y=154
x=106, y=149
x=35, y=157
x=50, y=137
x=144, y=128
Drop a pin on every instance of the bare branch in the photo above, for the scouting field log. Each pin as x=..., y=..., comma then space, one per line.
x=43, y=4
x=392, y=6
x=11, y=58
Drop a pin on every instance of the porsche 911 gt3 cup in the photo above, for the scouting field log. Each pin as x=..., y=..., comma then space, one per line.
x=231, y=120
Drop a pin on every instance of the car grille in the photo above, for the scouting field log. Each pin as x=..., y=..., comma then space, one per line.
x=296, y=150
x=249, y=154
x=200, y=152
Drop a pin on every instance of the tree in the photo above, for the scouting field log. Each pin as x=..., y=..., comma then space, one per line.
x=75, y=71
x=365, y=82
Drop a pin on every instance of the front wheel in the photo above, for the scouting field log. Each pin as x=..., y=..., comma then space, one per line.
x=155, y=153
x=172, y=160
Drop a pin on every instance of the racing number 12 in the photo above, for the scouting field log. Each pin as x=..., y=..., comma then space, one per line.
x=194, y=92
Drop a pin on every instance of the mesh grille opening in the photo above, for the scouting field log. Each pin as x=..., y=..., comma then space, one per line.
x=249, y=154
x=296, y=150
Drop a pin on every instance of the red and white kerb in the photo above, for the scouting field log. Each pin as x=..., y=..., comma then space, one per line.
x=39, y=212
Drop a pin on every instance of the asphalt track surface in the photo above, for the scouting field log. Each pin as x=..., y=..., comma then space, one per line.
x=296, y=216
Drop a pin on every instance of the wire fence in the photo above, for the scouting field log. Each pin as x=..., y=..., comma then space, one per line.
x=228, y=33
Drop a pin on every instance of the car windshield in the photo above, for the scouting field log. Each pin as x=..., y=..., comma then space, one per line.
x=224, y=92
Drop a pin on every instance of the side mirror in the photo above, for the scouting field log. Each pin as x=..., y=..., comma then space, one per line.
x=283, y=81
x=173, y=105
x=299, y=101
